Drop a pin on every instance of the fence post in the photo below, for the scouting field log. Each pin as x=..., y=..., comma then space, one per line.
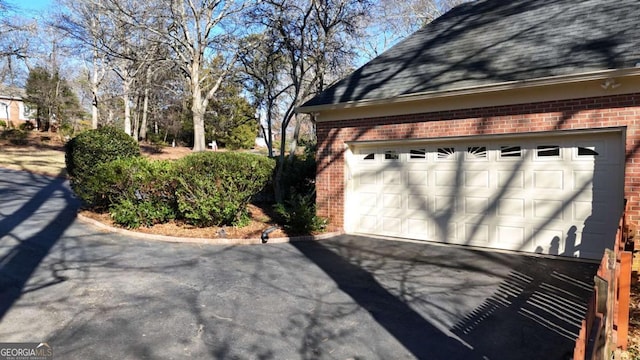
x=623, y=298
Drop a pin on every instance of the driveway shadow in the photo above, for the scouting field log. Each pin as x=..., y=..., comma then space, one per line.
x=524, y=307
x=35, y=213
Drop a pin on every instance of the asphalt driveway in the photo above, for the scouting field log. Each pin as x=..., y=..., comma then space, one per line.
x=97, y=295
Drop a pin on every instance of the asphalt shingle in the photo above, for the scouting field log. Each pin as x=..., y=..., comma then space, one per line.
x=495, y=41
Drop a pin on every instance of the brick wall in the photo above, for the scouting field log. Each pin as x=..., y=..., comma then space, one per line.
x=588, y=113
x=14, y=112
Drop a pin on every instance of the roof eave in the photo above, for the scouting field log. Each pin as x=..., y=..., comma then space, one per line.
x=503, y=86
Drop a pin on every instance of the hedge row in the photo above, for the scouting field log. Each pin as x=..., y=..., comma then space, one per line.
x=203, y=189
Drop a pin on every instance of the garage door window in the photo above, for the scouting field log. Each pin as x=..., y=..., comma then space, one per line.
x=587, y=151
x=418, y=154
x=446, y=153
x=371, y=156
x=391, y=155
x=510, y=152
x=476, y=153
x=548, y=151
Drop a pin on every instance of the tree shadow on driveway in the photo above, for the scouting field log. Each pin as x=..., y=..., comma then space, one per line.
x=452, y=303
x=36, y=211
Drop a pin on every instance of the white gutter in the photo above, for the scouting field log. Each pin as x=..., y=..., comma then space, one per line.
x=508, y=85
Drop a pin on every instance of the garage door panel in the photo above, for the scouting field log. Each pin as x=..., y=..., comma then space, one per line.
x=476, y=205
x=511, y=208
x=510, y=237
x=548, y=241
x=444, y=204
x=602, y=179
x=448, y=231
x=511, y=179
x=446, y=178
x=368, y=223
x=582, y=210
x=392, y=201
x=583, y=176
x=535, y=194
x=476, y=179
x=548, y=209
x=418, y=205
x=368, y=203
x=418, y=178
x=589, y=179
x=543, y=180
x=419, y=228
x=392, y=225
x=367, y=178
x=392, y=177
x=477, y=233
x=589, y=244
x=592, y=213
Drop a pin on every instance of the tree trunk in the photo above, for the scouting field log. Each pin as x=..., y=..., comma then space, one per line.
x=136, y=119
x=94, y=112
x=94, y=91
x=199, y=143
x=198, y=108
x=294, y=140
x=278, y=191
x=127, y=106
x=145, y=110
x=269, y=140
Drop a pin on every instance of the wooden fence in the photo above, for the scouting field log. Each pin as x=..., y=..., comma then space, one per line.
x=606, y=326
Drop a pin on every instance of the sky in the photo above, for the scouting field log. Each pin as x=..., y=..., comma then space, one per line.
x=36, y=7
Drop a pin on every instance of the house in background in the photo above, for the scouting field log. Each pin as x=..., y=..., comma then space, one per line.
x=503, y=124
x=13, y=109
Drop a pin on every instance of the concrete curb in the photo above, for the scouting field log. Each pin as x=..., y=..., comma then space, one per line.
x=205, y=241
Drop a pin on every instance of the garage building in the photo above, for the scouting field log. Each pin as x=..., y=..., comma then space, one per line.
x=507, y=125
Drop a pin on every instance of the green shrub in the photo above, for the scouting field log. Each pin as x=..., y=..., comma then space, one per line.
x=15, y=136
x=241, y=137
x=156, y=139
x=85, y=152
x=214, y=188
x=143, y=186
x=26, y=126
x=3, y=124
x=299, y=176
x=133, y=214
x=298, y=214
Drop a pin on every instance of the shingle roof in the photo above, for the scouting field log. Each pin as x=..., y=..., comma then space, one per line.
x=495, y=41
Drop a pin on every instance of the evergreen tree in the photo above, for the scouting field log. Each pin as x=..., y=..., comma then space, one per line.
x=52, y=97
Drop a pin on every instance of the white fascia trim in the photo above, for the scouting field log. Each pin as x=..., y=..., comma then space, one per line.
x=486, y=137
x=509, y=85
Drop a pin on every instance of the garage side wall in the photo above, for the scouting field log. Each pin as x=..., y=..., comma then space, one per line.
x=587, y=113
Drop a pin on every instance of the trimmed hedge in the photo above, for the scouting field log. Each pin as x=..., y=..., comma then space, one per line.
x=85, y=152
x=140, y=192
x=214, y=188
x=202, y=189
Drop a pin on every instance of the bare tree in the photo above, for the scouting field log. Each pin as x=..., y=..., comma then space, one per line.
x=262, y=63
x=193, y=29
x=390, y=21
x=315, y=40
x=15, y=41
x=84, y=23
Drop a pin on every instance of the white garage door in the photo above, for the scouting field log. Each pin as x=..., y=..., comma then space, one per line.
x=558, y=195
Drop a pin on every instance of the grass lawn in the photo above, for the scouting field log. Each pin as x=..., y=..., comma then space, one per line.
x=36, y=159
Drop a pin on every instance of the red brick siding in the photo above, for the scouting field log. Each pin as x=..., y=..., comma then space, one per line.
x=588, y=113
x=14, y=112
